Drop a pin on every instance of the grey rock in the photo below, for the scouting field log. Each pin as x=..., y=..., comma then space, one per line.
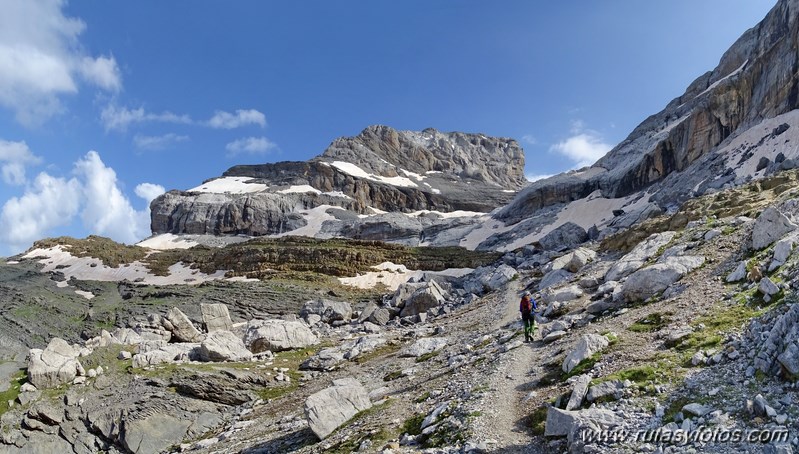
x=585, y=348
x=424, y=298
x=182, y=328
x=380, y=317
x=553, y=336
x=575, y=260
x=636, y=258
x=767, y=287
x=560, y=422
x=607, y=389
x=696, y=409
x=166, y=354
x=216, y=317
x=578, y=392
x=561, y=294
x=329, y=408
x=329, y=311
x=278, y=335
x=738, y=274
x=56, y=365
x=223, y=346
x=554, y=278
x=566, y=236
x=154, y=433
x=424, y=346
x=654, y=279
x=769, y=227
x=676, y=336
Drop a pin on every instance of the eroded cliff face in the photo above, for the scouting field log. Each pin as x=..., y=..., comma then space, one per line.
x=756, y=79
x=380, y=170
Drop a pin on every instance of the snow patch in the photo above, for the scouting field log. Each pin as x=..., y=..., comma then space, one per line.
x=716, y=83
x=392, y=276
x=167, y=241
x=230, y=185
x=85, y=294
x=92, y=269
x=355, y=171
x=315, y=218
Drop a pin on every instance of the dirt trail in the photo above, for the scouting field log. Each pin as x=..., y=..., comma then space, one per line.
x=504, y=423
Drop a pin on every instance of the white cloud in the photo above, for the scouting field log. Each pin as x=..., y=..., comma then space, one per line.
x=93, y=192
x=158, y=142
x=250, y=145
x=41, y=59
x=529, y=139
x=149, y=191
x=119, y=118
x=50, y=202
x=242, y=117
x=15, y=156
x=584, y=147
x=106, y=210
x=531, y=177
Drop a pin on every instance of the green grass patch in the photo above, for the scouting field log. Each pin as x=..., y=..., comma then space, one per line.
x=583, y=367
x=676, y=407
x=413, y=425
x=427, y=356
x=16, y=381
x=111, y=253
x=538, y=420
x=391, y=376
x=651, y=323
x=423, y=397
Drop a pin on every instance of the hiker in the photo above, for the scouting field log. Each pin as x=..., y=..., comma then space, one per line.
x=527, y=306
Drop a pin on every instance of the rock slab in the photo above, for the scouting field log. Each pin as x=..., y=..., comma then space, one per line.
x=329, y=408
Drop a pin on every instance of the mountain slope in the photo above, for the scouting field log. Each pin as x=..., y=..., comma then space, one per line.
x=732, y=124
x=347, y=190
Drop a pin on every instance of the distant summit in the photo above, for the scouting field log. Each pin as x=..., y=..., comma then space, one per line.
x=411, y=187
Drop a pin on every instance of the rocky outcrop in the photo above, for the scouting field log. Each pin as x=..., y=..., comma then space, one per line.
x=278, y=335
x=181, y=327
x=769, y=227
x=649, y=281
x=55, y=365
x=329, y=408
x=585, y=348
x=381, y=168
x=216, y=317
x=223, y=346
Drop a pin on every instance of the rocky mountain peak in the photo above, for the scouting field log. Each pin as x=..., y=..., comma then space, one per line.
x=376, y=185
x=378, y=148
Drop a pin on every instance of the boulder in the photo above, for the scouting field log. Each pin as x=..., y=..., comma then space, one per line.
x=638, y=255
x=581, y=383
x=769, y=227
x=767, y=287
x=424, y=346
x=330, y=311
x=424, y=298
x=278, y=335
x=585, y=348
x=567, y=236
x=654, y=279
x=326, y=359
x=575, y=260
x=562, y=294
x=696, y=409
x=553, y=336
x=554, y=278
x=380, y=317
x=169, y=353
x=329, y=408
x=783, y=249
x=603, y=390
x=738, y=274
x=223, y=345
x=56, y=365
x=181, y=327
x=560, y=423
x=216, y=317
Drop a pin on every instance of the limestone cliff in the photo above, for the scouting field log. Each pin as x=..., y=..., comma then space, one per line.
x=354, y=180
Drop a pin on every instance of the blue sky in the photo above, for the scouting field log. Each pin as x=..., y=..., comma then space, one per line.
x=103, y=105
